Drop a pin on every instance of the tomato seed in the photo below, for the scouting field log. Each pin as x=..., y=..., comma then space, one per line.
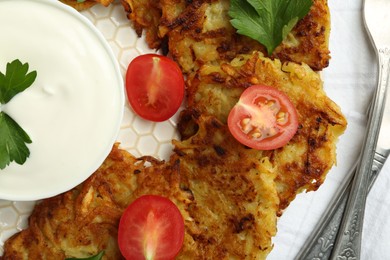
x=281, y=117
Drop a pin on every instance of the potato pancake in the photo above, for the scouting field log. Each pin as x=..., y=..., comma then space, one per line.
x=229, y=195
x=202, y=41
x=235, y=199
x=199, y=31
x=229, y=212
x=303, y=163
x=86, y=4
x=145, y=14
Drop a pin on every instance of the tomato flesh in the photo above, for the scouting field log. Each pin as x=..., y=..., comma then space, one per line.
x=151, y=227
x=154, y=86
x=264, y=118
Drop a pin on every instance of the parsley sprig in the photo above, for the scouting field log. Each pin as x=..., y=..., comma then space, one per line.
x=13, y=138
x=267, y=21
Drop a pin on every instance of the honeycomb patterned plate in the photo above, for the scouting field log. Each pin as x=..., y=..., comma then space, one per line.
x=136, y=135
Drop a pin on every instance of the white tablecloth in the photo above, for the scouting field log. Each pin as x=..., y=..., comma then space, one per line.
x=349, y=80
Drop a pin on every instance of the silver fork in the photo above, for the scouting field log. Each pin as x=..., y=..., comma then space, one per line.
x=321, y=241
x=348, y=242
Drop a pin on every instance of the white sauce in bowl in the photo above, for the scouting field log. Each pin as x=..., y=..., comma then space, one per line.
x=73, y=110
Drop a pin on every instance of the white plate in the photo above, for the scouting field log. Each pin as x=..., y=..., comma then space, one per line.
x=73, y=110
x=349, y=81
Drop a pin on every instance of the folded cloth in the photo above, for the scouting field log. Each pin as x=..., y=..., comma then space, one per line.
x=350, y=81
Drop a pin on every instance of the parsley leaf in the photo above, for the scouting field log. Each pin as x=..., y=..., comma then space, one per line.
x=267, y=21
x=13, y=138
x=12, y=142
x=15, y=80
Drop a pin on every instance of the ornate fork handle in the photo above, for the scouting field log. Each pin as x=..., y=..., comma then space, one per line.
x=348, y=242
x=322, y=240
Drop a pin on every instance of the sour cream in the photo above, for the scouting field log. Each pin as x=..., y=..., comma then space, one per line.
x=73, y=110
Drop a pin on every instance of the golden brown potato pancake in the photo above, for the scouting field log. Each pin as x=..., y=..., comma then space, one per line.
x=304, y=162
x=235, y=198
x=86, y=4
x=145, y=14
x=228, y=194
x=229, y=212
x=199, y=31
x=202, y=41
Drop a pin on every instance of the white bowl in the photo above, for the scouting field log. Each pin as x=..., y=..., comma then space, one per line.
x=73, y=110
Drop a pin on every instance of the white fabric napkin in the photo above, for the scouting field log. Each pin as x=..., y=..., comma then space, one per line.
x=349, y=80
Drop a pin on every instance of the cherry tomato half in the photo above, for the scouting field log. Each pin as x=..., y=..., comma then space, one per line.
x=151, y=227
x=155, y=87
x=264, y=118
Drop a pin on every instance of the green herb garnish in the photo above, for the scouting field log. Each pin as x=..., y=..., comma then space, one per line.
x=99, y=256
x=267, y=21
x=13, y=138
